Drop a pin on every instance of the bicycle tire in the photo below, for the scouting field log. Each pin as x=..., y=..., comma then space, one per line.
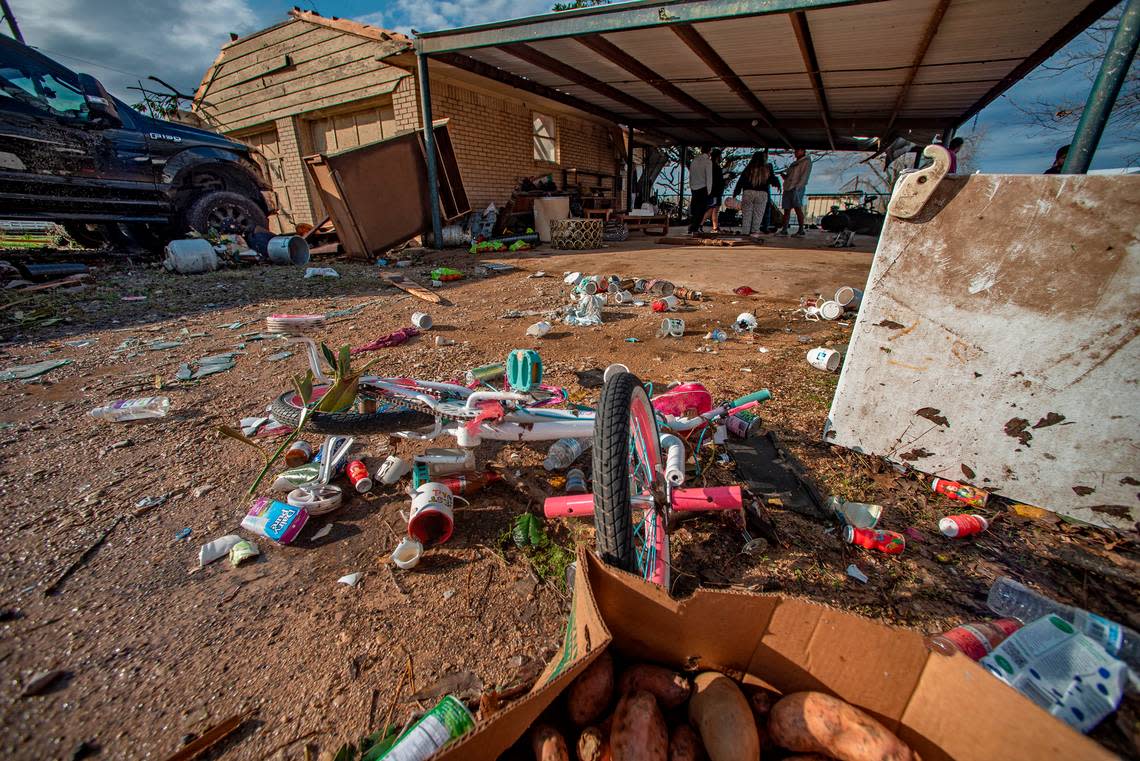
x=614, y=528
x=348, y=423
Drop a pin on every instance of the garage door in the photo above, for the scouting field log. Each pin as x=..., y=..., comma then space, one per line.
x=347, y=130
x=268, y=155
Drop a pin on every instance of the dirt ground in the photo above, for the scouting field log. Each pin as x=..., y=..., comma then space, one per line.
x=154, y=652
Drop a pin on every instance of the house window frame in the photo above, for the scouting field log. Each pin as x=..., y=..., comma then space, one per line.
x=550, y=122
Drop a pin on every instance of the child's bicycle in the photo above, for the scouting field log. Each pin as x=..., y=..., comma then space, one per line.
x=638, y=452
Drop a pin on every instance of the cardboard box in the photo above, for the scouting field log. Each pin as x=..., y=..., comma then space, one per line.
x=943, y=707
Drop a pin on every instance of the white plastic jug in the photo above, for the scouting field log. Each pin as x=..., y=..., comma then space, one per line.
x=190, y=256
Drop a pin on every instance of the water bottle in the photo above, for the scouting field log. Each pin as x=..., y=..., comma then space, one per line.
x=565, y=451
x=1010, y=599
x=122, y=410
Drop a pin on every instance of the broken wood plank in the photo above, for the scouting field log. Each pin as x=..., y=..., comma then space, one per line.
x=410, y=286
x=695, y=241
x=210, y=738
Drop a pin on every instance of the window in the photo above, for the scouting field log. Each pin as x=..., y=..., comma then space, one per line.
x=25, y=85
x=545, y=139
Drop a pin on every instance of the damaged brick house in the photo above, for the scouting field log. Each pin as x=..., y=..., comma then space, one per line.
x=315, y=84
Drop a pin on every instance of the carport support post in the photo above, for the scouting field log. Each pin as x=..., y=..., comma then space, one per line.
x=1102, y=97
x=681, y=182
x=429, y=147
x=629, y=169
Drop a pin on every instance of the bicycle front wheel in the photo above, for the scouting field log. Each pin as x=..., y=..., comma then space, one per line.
x=629, y=517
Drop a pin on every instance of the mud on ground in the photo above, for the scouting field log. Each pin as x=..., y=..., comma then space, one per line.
x=154, y=653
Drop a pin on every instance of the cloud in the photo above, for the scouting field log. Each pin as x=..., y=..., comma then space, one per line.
x=124, y=41
x=426, y=16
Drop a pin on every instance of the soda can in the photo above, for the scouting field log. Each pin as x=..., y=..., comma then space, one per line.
x=298, y=454
x=442, y=725
x=687, y=294
x=358, y=476
x=743, y=424
x=972, y=496
x=486, y=373
x=659, y=288
x=958, y=526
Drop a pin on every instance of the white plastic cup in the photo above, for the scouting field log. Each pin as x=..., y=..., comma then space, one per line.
x=671, y=326
x=824, y=359
x=432, y=519
x=849, y=297
x=393, y=469
x=407, y=553
x=617, y=368
x=830, y=310
x=539, y=329
x=422, y=320
x=746, y=321
x=623, y=297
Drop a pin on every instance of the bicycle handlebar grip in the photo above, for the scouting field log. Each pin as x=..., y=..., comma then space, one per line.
x=762, y=395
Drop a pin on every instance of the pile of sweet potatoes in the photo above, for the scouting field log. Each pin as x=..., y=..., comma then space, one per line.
x=651, y=713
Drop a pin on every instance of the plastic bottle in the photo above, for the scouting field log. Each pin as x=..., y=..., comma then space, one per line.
x=122, y=410
x=575, y=481
x=890, y=542
x=1014, y=600
x=972, y=496
x=564, y=452
x=466, y=484
x=956, y=526
x=976, y=639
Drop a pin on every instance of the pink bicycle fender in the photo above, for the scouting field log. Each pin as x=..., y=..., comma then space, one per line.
x=572, y=506
x=711, y=498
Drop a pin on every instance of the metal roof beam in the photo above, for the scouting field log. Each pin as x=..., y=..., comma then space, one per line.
x=701, y=48
x=568, y=72
x=617, y=18
x=527, y=85
x=1078, y=24
x=919, y=56
x=807, y=50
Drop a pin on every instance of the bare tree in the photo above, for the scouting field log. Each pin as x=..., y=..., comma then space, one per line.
x=1059, y=113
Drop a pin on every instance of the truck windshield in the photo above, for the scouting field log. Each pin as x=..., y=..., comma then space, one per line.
x=25, y=85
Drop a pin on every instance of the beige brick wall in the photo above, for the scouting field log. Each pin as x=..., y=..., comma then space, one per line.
x=291, y=148
x=493, y=141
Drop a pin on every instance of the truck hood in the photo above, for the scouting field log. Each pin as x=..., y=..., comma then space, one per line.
x=189, y=136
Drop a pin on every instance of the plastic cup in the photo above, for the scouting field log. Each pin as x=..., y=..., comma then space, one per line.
x=824, y=359
x=422, y=320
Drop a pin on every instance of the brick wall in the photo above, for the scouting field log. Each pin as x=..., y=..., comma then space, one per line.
x=289, y=144
x=493, y=139
x=406, y=104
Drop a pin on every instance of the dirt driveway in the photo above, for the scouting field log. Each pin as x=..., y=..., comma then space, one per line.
x=154, y=652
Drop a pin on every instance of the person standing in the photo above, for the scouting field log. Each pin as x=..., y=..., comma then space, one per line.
x=795, y=182
x=955, y=146
x=716, y=192
x=752, y=187
x=1058, y=161
x=700, y=183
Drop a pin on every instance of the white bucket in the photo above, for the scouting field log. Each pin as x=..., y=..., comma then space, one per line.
x=623, y=297
x=539, y=329
x=422, y=320
x=849, y=297
x=830, y=310
x=190, y=256
x=824, y=359
x=671, y=326
x=433, y=518
x=288, y=249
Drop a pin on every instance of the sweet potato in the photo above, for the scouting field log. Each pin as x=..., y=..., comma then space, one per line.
x=670, y=688
x=812, y=722
x=639, y=732
x=591, y=692
x=548, y=744
x=762, y=702
x=722, y=716
x=685, y=745
x=594, y=745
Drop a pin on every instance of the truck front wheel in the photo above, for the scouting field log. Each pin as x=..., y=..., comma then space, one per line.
x=223, y=211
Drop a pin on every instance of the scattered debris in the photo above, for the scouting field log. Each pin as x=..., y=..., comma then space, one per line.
x=279, y=356
x=854, y=572
x=323, y=531
x=351, y=579
x=320, y=272
x=243, y=551
x=217, y=549
x=27, y=372
x=41, y=682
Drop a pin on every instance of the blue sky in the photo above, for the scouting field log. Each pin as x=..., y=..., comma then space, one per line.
x=125, y=40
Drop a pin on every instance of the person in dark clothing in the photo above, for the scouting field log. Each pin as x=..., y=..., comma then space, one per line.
x=752, y=187
x=700, y=184
x=1058, y=161
x=955, y=146
x=716, y=192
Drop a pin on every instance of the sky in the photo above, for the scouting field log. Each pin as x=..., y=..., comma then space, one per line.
x=122, y=41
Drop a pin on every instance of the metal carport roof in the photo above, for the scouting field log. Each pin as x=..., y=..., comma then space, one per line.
x=809, y=73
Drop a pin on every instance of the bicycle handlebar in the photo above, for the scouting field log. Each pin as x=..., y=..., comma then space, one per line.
x=762, y=395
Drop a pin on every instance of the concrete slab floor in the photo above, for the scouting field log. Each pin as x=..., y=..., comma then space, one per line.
x=783, y=268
